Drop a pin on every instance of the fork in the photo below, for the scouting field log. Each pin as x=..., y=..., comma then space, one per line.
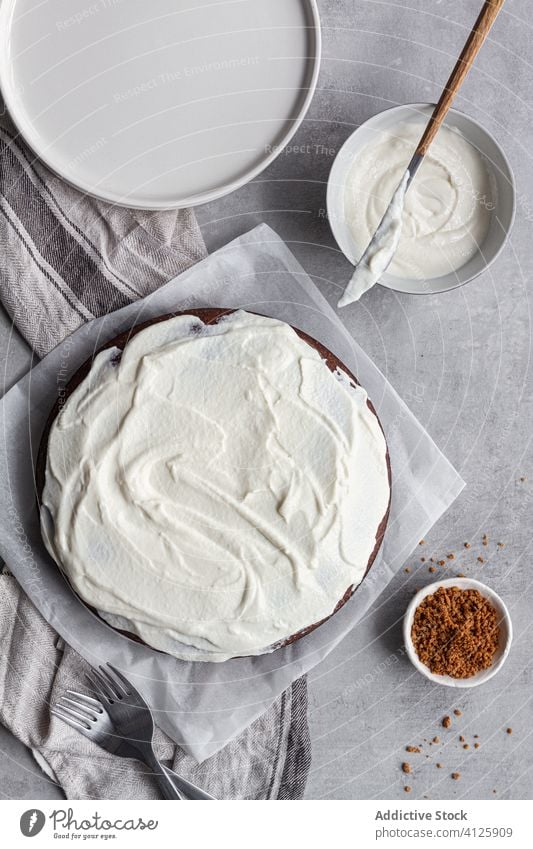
x=121, y=722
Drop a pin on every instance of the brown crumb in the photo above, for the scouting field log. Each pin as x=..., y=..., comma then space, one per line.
x=446, y=721
x=460, y=575
x=481, y=560
x=422, y=559
x=439, y=766
x=407, y=569
x=466, y=746
x=494, y=791
x=501, y=545
x=461, y=739
x=476, y=736
x=458, y=712
x=406, y=768
x=467, y=545
x=477, y=745
x=442, y=563
x=450, y=556
x=456, y=776
x=509, y=730
x=431, y=559
x=412, y=749
x=422, y=542
x=456, y=632
x=522, y=480
x=436, y=740
x=432, y=569
x=407, y=788
x=485, y=539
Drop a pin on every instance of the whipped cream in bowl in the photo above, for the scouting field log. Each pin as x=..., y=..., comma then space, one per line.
x=456, y=214
x=214, y=489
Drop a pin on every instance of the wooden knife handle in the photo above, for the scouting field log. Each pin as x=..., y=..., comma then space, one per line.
x=480, y=31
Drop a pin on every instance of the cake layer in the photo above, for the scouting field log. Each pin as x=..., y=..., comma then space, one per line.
x=214, y=488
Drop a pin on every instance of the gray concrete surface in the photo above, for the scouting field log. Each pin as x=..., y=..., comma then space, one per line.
x=462, y=362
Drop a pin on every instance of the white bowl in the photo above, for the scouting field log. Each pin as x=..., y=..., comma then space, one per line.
x=506, y=632
x=502, y=217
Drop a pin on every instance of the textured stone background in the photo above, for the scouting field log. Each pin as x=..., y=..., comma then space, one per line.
x=461, y=361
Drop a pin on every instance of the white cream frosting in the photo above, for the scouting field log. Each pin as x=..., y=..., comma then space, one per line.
x=380, y=252
x=447, y=210
x=217, y=488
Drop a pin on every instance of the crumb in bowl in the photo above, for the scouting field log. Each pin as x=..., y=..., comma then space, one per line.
x=455, y=632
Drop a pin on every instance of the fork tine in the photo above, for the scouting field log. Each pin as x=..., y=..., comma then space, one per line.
x=70, y=717
x=86, y=712
x=88, y=700
x=98, y=684
x=111, y=683
x=123, y=682
x=72, y=711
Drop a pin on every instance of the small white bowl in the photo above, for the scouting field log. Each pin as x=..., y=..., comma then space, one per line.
x=506, y=632
x=502, y=217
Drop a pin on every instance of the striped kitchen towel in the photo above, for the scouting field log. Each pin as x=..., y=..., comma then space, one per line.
x=67, y=258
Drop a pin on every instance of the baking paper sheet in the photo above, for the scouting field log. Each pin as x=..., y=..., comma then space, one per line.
x=203, y=705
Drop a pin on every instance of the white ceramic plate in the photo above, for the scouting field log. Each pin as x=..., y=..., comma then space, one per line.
x=506, y=632
x=502, y=216
x=159, y=104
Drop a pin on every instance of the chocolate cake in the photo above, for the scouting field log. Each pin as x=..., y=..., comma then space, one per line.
x=207, y=317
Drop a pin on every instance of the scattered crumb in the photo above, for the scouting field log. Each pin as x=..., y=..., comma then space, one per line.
x=407, y=788
x=406, y=768
x=442, y=563
x=466, y=545
x=476, y=736
x=407, y=569
x=461, y=739
x=485, y=539
x=456, y=776
x=460, y=575
x=450, y=556
x=432, y=569
x=431, y=559
x=458, y=712
x=466, y=746
x=436, y=740
x=422, y=542
x=446, y=721
x=476, y=745
x=509, y=730
x=522, y=480
x=481, y=560
x=439, y=766
x=412, y=749
x=422, y=559
x=501, y=545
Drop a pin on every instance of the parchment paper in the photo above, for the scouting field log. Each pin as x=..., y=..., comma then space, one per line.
x=203, y=705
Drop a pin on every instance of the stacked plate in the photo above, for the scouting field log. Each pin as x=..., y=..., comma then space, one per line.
x=158, y=105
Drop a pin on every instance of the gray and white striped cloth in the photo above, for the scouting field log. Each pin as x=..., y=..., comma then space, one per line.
x=67, y=258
